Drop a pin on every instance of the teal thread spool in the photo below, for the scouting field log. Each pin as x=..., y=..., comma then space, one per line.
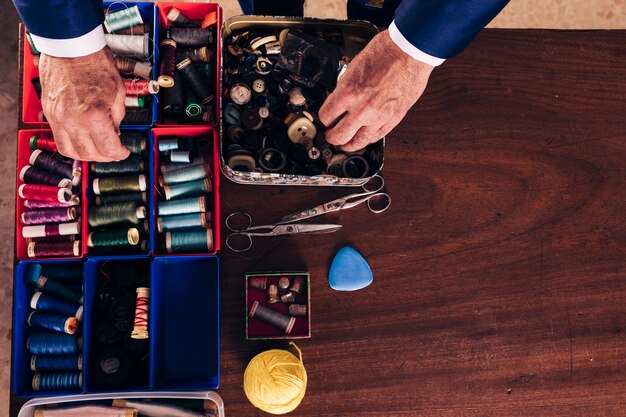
x=138, y=197
x=168, y=144
x=189, y=241
x=191, y=173
x=193, y=110
x=183, y=221
x=130, y=165
x=136, y=144
x=183, y=157
x=129, y=183
x=45, y=363
x=183, y=206
x=116, y=213
x=122, y=19
x=169, y=167
x=113, y=238
x=57, y=381
x=186, y=189
x=49, y=286
x=43, y=342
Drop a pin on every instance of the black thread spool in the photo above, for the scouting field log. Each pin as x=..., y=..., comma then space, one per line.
x=168, y=56
x=200, y=55
x=37, y=86
x=174, y=98
x=192, y=37
x=276, y=319
x=193, y=77
x=137, y=116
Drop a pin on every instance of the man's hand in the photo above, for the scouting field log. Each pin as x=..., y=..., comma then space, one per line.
x=83, y=99
x=372, y=97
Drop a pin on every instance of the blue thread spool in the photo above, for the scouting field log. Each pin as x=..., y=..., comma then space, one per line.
x=184, y=206
x=169, y=144
x=54, y=322
x=192, y=173
x=56, y=363
x=57, y=381
x=186, y=189
x=42, y=342
x=50, y=304
x=169, y=167
x=47, y=285
x=183, y=221
x=180, y=157
x=189, y=241
x=68, y=273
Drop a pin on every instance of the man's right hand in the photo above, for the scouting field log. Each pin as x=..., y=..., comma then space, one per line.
x=83, y=99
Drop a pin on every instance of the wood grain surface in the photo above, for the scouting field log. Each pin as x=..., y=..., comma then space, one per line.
x=499, y=270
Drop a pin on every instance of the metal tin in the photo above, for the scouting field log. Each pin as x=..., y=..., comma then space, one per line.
x=356, y=36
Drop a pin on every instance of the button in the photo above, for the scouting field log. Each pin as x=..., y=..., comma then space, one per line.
x=314, y=153
x=232, y=113
x=296, y=98
x=258, y=42
x=272, y=160
x=250, y=141
x=355, y=166
x=240, y=93
x=258, y=85
x=285, y=85
x=251, y=119
x=300, y=128
x=235, y=50
x=242, y=163
x=234, y=132
x=264, y=112
x=263, y=66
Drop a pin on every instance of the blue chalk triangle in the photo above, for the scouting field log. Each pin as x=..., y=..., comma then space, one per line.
x=349, y=271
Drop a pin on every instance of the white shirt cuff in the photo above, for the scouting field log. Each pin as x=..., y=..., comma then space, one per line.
x=410, y=49
x=86, y=44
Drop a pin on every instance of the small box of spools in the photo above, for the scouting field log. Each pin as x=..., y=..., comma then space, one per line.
x=277, y=72
x=186, y=191
x=48, y=318
x=189, y=63
x=51, y=199
x=128, y=404
x=119, y=200
x=278, y=305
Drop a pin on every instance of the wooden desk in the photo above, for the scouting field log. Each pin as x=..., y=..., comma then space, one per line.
x=499, y=271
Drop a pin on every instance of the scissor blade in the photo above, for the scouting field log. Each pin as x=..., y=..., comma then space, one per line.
x=304, y=214
x=288, y=229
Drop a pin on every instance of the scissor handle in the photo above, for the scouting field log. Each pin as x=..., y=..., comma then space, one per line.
x=385, y=206
x=235, y=248
x=372, y=182
x=241, y=215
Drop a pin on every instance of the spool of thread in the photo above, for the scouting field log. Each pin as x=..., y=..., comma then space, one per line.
x=50, y=304
x=36, y=204
x=169, y=144
x=57, y=381
x=192, y=37
x=275, y=380
x=113, y=238
x=141, y=87
x=122, y=19
x=70, y=273
x=168, y=57
x=134, y=101
x=169, y=167
x=116, y=214
x=50, y=249
x=45, y=363
x=45, y=193
x=199, y=55
x=130, y=66
x=51, y=162
x=129, y=45
x=138, y=197
x=186, y=189
x=137, y=116
x=32, y=175
x=108, y=185
x=193, y=111
x=51, y=229
x=43, y=342
x=54, y=322
x=180, y=157
x=174, y=97
x=155, y=409
x=191, y=173
x=135, y=144
x=68, y=238
x=189, y=241
x=275, y=318
x=49, y=286
x=297, y=310
x=85, y=410
x=44, y=144
x=49, y=215
x=77, y=172
x=130, y=165
x=183, y=221
x=195, y=81
x=140, y=328
x=183, y=206
x=135, y=30
x=178, y=18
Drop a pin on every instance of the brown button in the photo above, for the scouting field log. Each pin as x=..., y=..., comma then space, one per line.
x=251, y=119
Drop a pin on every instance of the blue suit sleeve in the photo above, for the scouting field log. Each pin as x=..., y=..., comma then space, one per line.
x=60, y=19
x=443, y=28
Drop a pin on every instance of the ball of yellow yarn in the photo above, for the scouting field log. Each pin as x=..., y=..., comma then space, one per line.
x=275, y=380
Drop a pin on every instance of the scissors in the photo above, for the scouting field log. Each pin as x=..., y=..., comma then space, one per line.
x=347, y=202
x=277, y=229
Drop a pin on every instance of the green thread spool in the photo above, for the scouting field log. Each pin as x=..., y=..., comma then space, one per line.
x=191, y=173
x=122, y=19
x=113, y=238
x=184, y=206
x=193, y=110
x=183, y=221
x=116, y=213
x=108, y=185
x=139, y=197
x=169, y=167
x=135, y=143
x=130, y=165
x=187, y=189
x=190, y=241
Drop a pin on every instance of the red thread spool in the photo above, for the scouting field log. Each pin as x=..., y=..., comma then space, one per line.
x=47, y=249
x=141, y=87
x=45, y=144
x=168, y=57
x=45, y=193
x=140, y=329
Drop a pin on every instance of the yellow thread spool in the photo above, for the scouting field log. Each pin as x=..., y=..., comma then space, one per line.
x=275, y=380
